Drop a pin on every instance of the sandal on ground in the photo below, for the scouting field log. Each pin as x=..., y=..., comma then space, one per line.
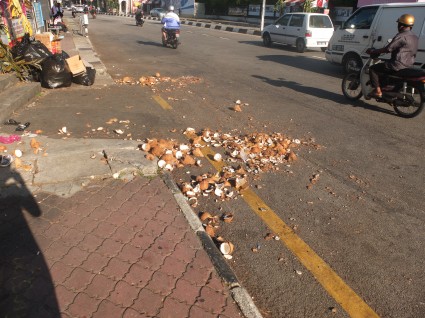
x=11, y=122
x=5, y=160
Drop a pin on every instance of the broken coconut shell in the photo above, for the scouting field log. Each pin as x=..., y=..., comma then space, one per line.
x=210, y=230
x=226, y=248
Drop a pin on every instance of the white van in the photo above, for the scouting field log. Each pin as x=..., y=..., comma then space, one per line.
x=373, y=23
x=304, y=30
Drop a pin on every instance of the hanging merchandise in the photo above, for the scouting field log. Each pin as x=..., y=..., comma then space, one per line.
x=15, y=21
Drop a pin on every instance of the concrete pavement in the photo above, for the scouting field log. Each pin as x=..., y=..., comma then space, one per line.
x=75, y=242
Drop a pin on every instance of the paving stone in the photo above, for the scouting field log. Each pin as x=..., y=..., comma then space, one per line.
x=186, y=292
x=173, y=308
x=87, y=225
x=183, y=253
x=100, y=213
x=130, y=253
x=95, y=262
x=152, y=260
x=83, y=306
x=197, y=276
x=153, y=228
x=69, y=219
x=64, y=297
x=78, y=280
x=60, y=272
x=138, y=275
x=148, y=302
x=116, y=269
x=75, y=256
x=196, y=311
x=136, y=223
x=91, y=242
x=107, y=309
x=162, y=246
x=173, y=234
x=231, y=310
x=72, y=237
x=55, y=231
x=109, y=248
x=56, y=251
x=100, y=287
x=211, y=300
x=123, y=234
x=118, y=219
x=104, y=229
x=173, y=267
x=142, y=240
x=162, y=283
x=202, y=260
x=131, y=313
x=124, y=294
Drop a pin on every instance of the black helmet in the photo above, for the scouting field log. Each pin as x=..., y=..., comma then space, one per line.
x=407, y=20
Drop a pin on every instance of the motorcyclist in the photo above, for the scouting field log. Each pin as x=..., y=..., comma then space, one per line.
x=139, y=14
x=171, y=21
x=74, y=12
x=403, y=48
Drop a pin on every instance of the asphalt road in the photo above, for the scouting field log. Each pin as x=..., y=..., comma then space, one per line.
x=364, y=217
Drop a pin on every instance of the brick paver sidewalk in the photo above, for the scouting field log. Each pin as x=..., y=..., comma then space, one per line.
x=113, y=250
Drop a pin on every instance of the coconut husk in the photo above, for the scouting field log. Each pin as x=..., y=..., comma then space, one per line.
x=188, y=160
x=197, y=152
x=292, y=156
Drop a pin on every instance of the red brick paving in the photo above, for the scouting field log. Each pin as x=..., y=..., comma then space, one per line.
x=117, y=250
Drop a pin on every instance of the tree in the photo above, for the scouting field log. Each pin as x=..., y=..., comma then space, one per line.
x=279, y=6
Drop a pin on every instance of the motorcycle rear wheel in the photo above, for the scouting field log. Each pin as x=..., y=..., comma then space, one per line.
x=351, y=86
x=175, y=43
x=416, y=94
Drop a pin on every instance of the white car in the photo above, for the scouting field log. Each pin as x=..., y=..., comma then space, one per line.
x=304, y=30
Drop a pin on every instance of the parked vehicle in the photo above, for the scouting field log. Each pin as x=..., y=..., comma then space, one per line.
x=157, y=12
x=373, y=24
x=403, y=90
x=173, y=38
x=304, y=30
x=79, y=8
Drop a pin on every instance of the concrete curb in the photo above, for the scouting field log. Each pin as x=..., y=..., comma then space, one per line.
x=208, y=25
x=15, y=97
x=239, y=294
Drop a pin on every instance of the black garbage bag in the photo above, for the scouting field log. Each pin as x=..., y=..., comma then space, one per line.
x=55, y=73
x=62, y=56
x=30, y=50
x=87, y=78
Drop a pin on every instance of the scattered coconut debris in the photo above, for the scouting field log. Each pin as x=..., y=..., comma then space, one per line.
x=150, y=81
x=313, y=180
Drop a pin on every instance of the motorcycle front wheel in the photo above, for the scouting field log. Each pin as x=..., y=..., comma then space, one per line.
x=351, y=87
x=412, y=104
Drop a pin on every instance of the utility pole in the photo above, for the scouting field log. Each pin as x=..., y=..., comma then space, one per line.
x=263, y=9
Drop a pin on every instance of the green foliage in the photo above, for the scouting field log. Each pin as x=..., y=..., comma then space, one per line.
x=19, y=66
x=279, y=6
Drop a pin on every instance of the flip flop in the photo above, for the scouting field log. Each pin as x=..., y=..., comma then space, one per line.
x=5, y=160
x=11, y=122
x=22, y=127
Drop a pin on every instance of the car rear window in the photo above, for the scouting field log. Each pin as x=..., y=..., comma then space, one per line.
x=320, y=21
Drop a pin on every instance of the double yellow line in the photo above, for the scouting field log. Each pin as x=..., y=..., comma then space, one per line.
x=331, y=282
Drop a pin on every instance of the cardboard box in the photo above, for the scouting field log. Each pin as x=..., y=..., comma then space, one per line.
x=45, y=38
x=76, y=65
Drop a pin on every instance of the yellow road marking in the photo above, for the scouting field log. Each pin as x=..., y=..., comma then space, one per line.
x=162, y=102
x=331, y=282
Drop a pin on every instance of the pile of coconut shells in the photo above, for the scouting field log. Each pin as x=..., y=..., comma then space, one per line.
x=247, y=154
x=181, y=81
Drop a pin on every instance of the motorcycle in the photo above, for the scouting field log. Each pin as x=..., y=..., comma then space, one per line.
x=139, y=20
x=93, y=14
x=74, y=13
x=173, y=38
x=404, y=90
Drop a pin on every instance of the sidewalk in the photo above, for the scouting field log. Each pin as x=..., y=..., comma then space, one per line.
x=74, y=242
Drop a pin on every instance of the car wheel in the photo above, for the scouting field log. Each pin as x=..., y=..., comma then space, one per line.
x=300, y=46
x=267, y=40
x=323, y=49
x=352, y=63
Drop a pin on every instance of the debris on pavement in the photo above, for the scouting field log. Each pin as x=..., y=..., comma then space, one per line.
x=313, y=180
x=150, y=81
x=9, y=139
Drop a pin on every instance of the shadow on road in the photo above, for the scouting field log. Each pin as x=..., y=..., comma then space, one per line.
x=306, y=63
x=321, y=93
x=27, y=289
x=150, y=43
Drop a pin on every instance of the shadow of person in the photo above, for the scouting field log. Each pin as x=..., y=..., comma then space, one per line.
x=27, y=289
